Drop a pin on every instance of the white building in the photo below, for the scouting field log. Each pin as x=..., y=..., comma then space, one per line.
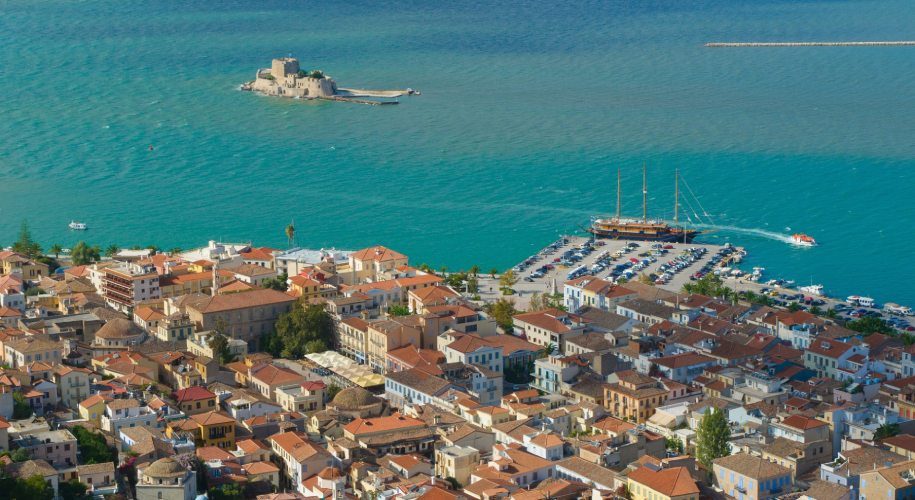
x=121, y=413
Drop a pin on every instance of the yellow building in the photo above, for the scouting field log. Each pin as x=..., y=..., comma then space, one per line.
x=207, y=429
x=26, y=268
x=92, y=409
x=888, y=482
x=674, y=483
x=634, y=397
x=308, y=288
x=382, y=336
x=457, y=462
x=372, y=263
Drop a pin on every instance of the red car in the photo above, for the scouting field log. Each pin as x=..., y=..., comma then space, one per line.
x=668, y=247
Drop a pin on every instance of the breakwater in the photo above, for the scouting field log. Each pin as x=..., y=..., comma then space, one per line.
x=810, y=44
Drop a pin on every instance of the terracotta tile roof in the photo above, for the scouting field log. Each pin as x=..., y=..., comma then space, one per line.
x=377, y=253
x=258, y=468
x=803, y=423
x=671, y=482
x=902, y=441
x=206, y=453
x=752, y=467
x=298, y=445
x=196, y=393
x=829, y=348
x=683, y=360
x=434, y=294
x=233, y=301
x=212, y=418
x=548, y=319
x=382, y=424
x=275, y=375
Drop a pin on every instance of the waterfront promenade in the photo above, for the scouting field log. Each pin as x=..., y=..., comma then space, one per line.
x=812, y=44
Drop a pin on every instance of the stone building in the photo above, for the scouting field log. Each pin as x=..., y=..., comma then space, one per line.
x=286, y=79
x=166, y=479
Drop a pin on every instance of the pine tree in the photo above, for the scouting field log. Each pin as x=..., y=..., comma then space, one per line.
x=712, y=437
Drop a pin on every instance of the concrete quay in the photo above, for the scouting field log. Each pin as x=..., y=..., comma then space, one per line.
x=811, y=44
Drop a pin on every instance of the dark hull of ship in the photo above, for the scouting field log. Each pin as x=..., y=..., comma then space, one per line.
x=686, y=236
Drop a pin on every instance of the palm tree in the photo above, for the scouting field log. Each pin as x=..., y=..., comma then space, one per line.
x=290, y=233
x=112, y=250
x=174, y=251
x=56, y=249
x=474, y=269
x=444, y=269
x=493, y=272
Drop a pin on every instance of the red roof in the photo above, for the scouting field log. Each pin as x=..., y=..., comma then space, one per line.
x=803, y=423
x=195, y=393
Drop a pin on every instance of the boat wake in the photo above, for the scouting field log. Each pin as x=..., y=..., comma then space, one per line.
x=762, y=233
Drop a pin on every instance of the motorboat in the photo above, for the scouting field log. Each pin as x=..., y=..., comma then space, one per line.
x=77, y=226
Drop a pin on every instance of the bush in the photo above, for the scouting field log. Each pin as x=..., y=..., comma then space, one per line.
x=92, y=446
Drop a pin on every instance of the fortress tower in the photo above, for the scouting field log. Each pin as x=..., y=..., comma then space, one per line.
x=284, y=67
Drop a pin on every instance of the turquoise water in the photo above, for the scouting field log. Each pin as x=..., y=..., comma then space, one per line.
x=527, y=110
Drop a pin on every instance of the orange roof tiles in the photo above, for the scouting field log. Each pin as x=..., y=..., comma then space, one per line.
x=672, y=482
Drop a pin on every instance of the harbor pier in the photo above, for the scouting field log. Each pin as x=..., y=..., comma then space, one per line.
x=810, y=44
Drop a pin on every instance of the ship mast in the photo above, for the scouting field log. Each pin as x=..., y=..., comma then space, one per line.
x=644, y=193
x=618, y=194
x=676, y=194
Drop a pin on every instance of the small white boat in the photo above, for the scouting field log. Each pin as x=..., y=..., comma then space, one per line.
x=77, y=226
x=802, y=240
x=812, y=289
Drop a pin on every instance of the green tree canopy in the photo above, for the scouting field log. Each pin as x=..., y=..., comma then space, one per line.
x=278, y=283
x=399, y=310
x=21, y=407
x=73, y=490
x=297, y=328
x=25, y=244
x=219, y=343
x=502, y=311
x=93, y=447
x=712, y=437
x=508, y=279
x=870, y=324
x=112, y=250
x=83, y=254
x=710, y=286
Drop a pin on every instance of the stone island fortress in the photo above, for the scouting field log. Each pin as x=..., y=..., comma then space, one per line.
x=285, y=78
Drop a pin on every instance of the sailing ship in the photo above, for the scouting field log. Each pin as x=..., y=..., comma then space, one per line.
x=643, y=229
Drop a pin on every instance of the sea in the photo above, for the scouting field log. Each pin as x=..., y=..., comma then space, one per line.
x=128, y=116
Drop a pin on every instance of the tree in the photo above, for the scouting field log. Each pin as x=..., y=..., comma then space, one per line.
x=313, y=346
x=816, y=310
x=25, y=244
x=474, y=269
x=192, y=462
x=794, y=307
x=220, y=346
x=508, y=280
x=711, y=286
x=296, y=328
x=473, y=285
x=33, y=488
x=227, y=491
x=83, y=254
x=674, y=444
x=278, y=283
x=455, y=484
x=21, y=407
x=886, y=431
x=93, y=447
x=831, y=314
x=399, y=310
x=493, y=272
x=332, y=391
x=112, y=250
x=502, y=311
x=56, y=249
x=290, y=234
x=73, y=490
x=870, y=324
x=645, y=279
x=20, y=455
x=712, y=437
x=174, y=251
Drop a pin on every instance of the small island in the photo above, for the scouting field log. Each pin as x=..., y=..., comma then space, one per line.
x=285, y=78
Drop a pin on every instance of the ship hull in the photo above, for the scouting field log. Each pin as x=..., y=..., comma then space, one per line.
x=678, y=237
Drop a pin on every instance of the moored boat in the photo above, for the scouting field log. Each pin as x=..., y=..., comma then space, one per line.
x=812, y=289
x=77, y=226
x=643, y=229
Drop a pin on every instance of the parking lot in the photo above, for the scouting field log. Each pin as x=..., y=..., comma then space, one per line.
x=668, y=265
